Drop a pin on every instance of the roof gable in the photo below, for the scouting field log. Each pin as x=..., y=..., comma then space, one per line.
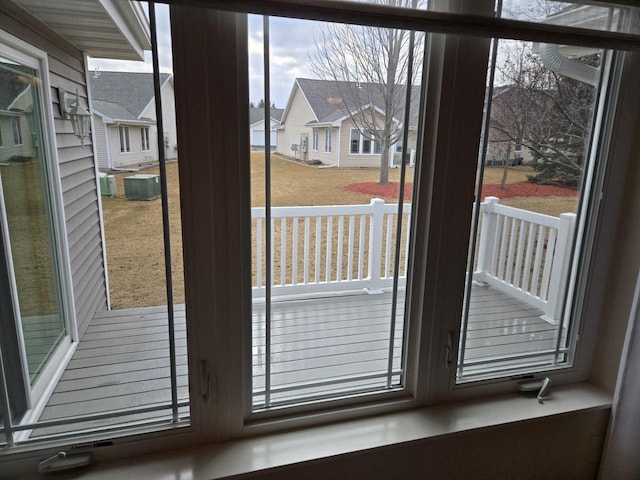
x=130, y=91
x=326, y=98
x=257, y=114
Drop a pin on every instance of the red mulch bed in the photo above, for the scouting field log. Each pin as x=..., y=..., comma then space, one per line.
x=521, y=189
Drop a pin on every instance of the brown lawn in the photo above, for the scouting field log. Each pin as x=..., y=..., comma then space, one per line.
x=133, y=229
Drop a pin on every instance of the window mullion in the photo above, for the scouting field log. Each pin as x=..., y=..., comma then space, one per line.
x=211, y=114
x=453, y=124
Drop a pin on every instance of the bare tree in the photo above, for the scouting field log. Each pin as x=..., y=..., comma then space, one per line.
x=368, y=70
x=543, y=112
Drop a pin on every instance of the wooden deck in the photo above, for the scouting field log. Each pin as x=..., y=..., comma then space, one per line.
x=123, y=360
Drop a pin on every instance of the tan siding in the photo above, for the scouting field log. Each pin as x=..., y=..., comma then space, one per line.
x=347, y=160
x=298, y=115
x=80, y=198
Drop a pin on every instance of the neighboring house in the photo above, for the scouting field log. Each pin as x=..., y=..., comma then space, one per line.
x=125, y=118
x=316, y=126
x=17, y=144
x=53, y=276
x=256, y=127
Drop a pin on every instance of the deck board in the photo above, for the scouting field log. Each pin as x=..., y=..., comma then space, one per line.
x=123, y=360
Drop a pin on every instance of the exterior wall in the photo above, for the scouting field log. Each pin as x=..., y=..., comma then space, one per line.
x=349, y=160
x=77, y=171
x=100, y=131
x=328, y=158
x=169, y=123
x=298, y=115
x=412, y=146
x=258, y=129
x=136, y=156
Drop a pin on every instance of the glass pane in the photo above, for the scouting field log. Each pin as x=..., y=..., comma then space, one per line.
x=25, y=200
x=324, y=239
x=129, y=362
x=532, y=184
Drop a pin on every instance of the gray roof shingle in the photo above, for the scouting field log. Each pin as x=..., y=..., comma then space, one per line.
x=130, y=91
x=257, y=114
x=326, y=97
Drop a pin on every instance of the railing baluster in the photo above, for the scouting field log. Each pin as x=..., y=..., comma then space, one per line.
x=283, y=251
x=350, y=248
x=538, y=261
x=329, y=248
x=548, y=261
x=363, y=220
x=294, y=252
x=307, y=232
x=518, y=273
x=387, y=250
x=503, y=247
x=318, y=234
x=272, y=252
x=406, y=243
x=340, y=248
x=259, y=252
x=527, y=261
x=510, y=256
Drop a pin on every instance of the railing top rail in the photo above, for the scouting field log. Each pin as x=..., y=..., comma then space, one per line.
x=326, y=210
x=533, y=217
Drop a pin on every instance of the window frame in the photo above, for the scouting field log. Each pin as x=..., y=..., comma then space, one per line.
x=125, y=139
x=217, y=419
x=374, y=146
x=144, y=139
x=314, y=139
x=327, y=140
x=16, y=129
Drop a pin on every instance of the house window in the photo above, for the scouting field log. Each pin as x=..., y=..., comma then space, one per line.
x=354, y=145
x=144, y=138
x=363, y=144
x=314, y=139
x=16, y=128
x=125, y=145
x=327, y=140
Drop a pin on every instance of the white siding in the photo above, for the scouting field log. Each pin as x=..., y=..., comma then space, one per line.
x=102, y=152
x=169, y=122
x=136, y=156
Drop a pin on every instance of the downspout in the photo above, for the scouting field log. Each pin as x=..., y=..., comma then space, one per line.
x=569, y=67
x=337, y=164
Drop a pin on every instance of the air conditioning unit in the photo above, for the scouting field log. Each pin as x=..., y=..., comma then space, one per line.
x=142, y=186
x=107, y=185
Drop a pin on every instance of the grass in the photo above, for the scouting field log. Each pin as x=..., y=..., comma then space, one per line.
x=133, y=229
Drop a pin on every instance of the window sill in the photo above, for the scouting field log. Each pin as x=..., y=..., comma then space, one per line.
x=250, y=455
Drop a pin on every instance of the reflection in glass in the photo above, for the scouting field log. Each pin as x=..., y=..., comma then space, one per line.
x=25, y=202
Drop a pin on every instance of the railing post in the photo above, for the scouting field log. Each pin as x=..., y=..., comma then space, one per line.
x=375, y=246
x=560, y=267
x=488, y=229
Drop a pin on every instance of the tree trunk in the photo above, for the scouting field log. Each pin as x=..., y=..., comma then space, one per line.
x=503, y=183
x=384, y=165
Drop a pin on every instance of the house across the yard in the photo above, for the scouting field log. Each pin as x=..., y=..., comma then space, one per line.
x=125, y=118
x=256, y=127
x=317, y=124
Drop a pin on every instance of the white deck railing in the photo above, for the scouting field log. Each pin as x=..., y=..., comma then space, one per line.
x=525, y=254
x=347, y=247
x=329, y=248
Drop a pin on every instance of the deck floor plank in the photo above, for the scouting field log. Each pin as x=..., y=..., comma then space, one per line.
x=123, y=360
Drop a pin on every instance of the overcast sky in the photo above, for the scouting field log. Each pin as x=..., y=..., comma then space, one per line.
x=290, y=44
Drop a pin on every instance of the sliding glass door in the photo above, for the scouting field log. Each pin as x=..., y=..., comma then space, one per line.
x=32, y=314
